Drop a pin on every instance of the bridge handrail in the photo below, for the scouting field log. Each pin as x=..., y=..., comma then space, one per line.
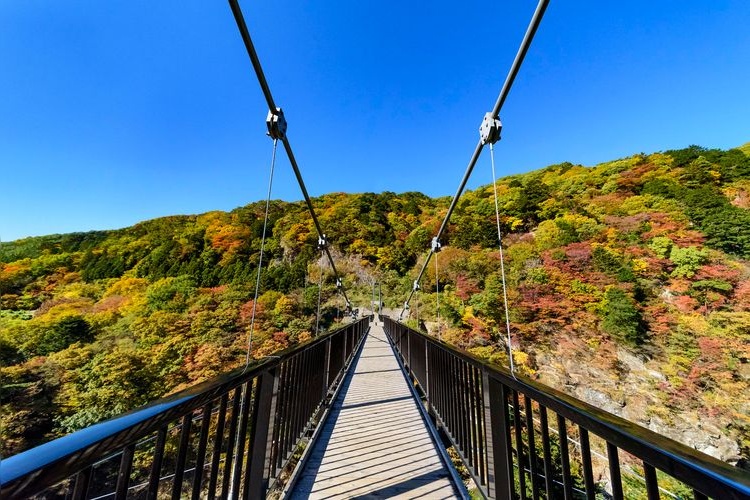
x=46, y=465
x=492, y=384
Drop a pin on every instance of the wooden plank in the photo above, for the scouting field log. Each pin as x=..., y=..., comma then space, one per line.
x=374, y=444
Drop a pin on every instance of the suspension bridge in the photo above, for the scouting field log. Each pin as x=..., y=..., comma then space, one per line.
x=374, y=409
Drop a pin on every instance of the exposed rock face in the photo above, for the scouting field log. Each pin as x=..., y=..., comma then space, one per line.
x=627, y=390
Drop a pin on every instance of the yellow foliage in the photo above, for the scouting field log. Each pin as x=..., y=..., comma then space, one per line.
x=127, y=287
x=639, y=265
x=697, y=324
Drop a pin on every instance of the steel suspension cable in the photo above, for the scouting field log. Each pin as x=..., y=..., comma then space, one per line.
x=491, y=118
x=437, y=296
x=320, y=291
x=260, y=259
x=502, y=263
x=277, y=115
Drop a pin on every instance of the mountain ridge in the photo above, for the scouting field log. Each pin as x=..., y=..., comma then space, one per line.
x=627, y=285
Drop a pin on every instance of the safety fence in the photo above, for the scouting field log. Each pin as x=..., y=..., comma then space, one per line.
x=521, y=439
x=230, y=437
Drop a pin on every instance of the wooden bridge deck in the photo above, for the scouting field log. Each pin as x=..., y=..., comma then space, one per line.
x=374, y=443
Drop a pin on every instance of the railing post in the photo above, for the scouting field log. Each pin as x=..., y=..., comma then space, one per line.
x=499, y=478
x=427, y=384
x=327, y=369
x=408, y=349
x=261, y=434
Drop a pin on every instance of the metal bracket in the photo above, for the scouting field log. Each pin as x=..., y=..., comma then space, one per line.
x=489, y=130
x=436, y=245
x=276, y=124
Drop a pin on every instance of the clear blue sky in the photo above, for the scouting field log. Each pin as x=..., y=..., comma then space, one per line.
x=115, y=112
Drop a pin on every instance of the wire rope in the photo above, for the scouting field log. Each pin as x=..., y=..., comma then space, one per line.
x=531, y=30
x=437, y=297
x=260, y=258
x=502, y=263
x=320, y=292
x=276, y=112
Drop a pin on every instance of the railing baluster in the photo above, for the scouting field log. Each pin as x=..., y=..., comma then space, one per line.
x=280, y=431
x=562, y=431
x=236, y=403
x=257, y=477
x=652, y=485
x=83, y=479
x=519, y=445
x=614, y=471
x=533, y=472
x=461, y=403
x=123, y=476
x=155, y=474
x=500, y=483
x=548, y=468
x=481, y=429
x=200, y=459
x=241, y=437
x=466, y=417
x=182, y=452
x=218, y=440
x=456, y=425
x=588, y=472
x=473, y=423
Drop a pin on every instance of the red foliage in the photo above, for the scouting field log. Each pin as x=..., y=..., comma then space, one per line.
x=717, y=272
x=466, y=287
x=742, y=296
x=541, y=302
x=659, y=319
x=578, y=255
x=628, y=223
x=711, y=349
x=662, y=225
x=246, y=311
x=685, y=304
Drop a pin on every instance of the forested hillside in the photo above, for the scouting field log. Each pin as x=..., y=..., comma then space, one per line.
x=628, y=287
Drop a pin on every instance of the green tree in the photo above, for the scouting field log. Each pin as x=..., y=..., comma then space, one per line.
x=621, y=318
x=688, y=260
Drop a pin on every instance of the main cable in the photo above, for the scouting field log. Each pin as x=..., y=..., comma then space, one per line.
x=493, y=116
x=278, y=115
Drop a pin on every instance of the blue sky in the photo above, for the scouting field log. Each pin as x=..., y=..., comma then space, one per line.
x=115, y=112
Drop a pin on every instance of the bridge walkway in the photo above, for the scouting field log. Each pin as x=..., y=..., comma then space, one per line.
x=375, y=443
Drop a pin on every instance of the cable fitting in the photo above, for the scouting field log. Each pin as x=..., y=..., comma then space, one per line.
x=322, y=242
x=276, y=124
x=339, y=285
x=415, y=286
x=406, y=306
x=436, y=245
x=490, y=129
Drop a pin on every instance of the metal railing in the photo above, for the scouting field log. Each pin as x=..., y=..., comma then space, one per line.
x=230, y=437
x=501, y=427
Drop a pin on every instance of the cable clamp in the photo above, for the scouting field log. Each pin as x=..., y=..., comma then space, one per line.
x=276, y=124
x=490, y=129
x=415, y=285
x=436, y=245
x=406, y=306
x=322, y=242
x=339, y=285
